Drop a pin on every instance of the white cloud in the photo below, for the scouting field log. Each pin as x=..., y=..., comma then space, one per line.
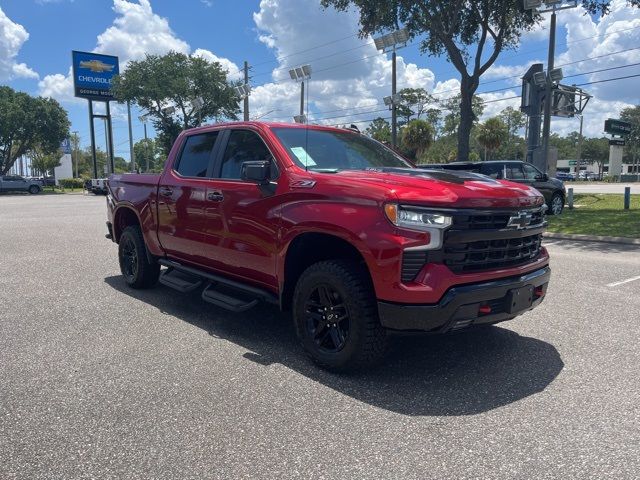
x=12, y=37
x=233, y=71
x=136, y=31
x=349, y=78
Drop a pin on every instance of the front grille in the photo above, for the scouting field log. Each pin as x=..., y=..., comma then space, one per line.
x=462, y=256
x=491, y=254
x=492, y=221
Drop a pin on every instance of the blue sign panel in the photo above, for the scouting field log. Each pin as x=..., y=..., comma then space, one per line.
x=65, y=146
x=92, y=75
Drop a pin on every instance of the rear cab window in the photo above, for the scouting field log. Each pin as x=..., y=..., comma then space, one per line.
x=195, y=157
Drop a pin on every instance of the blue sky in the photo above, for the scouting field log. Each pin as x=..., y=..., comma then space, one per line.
x=350, y=77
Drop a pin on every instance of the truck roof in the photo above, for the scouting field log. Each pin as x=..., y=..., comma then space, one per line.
x=259, y=124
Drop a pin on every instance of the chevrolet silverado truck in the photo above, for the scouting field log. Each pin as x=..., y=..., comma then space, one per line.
x=352, y=239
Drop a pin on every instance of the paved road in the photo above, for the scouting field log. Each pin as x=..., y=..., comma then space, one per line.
x=98, y=381
x=587, y=187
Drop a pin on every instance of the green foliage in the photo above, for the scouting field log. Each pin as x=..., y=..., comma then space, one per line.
x=413, y=102
x=596, y=150
x=491, y=134
x=379, y=129
x=176, y=80
x=71, y=183
x=453, y=108
x=632, y=147
x=417, y=136
x=44, y=162
x=149, y=155
x=471, y=33
x=27, y=123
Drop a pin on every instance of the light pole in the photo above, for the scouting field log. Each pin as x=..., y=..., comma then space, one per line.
x=133, y=160
x=300, y=74
x=243, y=92
x=386, y=43
x=550, y=6
x=579, y=152
x=76, y=144
x=143, y=119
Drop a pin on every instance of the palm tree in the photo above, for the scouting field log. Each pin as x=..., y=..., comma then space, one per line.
x=491, y=135
x=417, y=136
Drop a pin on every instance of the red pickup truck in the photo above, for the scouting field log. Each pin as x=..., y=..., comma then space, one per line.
x=333, y=226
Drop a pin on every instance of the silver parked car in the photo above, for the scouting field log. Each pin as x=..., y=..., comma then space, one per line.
x=16, y=183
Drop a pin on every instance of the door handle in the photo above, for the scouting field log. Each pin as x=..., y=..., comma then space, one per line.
x=215, y=196
x=165, y=191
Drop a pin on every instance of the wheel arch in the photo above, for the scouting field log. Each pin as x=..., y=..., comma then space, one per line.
x=123, y=217
x=308, y=248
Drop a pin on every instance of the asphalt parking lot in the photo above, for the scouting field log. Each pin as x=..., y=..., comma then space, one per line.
x=99, y=381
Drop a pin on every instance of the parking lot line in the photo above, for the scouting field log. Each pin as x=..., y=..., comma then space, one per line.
x=615, y=284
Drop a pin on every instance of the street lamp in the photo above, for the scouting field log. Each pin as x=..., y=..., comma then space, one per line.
x=386, y=43
x=300, y=74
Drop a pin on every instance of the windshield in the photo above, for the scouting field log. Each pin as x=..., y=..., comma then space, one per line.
x=329, y=151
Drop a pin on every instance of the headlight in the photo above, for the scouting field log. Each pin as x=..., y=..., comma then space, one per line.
x=416, y=219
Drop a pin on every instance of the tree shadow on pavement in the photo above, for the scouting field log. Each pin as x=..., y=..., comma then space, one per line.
x=458, y=374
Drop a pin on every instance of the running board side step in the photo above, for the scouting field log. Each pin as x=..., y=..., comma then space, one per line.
x=220, y=291
x=179, y=281
x=227, y=298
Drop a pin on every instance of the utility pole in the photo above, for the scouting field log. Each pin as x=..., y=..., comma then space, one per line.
x=302, y=98
x=133, y=160
x=246, y=97
x=394, y=110
x=75, y=146
x=546, y=125
x=146, y=144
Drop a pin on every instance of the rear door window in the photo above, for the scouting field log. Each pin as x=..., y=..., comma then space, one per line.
x=493, y=170
x=514, y=171
x=195, y=158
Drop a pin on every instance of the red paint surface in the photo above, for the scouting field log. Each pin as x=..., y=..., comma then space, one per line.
x=247, y=235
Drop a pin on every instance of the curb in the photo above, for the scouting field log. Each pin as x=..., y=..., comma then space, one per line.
x=592, y=238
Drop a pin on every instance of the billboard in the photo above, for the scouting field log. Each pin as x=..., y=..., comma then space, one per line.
x=92, y=75
x=617, y=127
x=65, y=146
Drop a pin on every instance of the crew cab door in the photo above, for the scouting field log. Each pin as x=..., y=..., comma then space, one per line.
x=539, y=181
x=241, y=217
x=182, y=191
x=14, y=183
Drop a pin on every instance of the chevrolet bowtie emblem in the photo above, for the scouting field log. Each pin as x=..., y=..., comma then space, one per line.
x=97, y=66
x=520, y=221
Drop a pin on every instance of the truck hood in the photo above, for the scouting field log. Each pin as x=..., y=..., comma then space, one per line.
x=447, y=188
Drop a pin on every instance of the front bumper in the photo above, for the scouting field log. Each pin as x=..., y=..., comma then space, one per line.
x=461, y=306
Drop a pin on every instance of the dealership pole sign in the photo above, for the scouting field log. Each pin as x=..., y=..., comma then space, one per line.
x=93, y=74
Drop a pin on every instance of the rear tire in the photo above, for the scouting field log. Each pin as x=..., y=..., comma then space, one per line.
x=556, y=205
x=336, y=316
x=136, y=268
x=33, y=189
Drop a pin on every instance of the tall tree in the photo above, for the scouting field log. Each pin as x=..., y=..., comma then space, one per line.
x=472, y=33
x=453, y=116
x=417, y=136
x=413, y=102
x=632, y=147
x=379, y=129
x=596, y=150
x=169, y=88
x=44, y=162
x=27, y=123
x=491, y=134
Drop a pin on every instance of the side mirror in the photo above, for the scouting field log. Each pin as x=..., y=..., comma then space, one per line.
x=543, y=177
x=256, y=171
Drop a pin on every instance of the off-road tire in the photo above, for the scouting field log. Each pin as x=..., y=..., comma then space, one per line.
x=135, y=266
x=366, y=340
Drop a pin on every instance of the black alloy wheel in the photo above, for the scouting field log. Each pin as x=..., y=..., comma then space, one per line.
x=327, y=319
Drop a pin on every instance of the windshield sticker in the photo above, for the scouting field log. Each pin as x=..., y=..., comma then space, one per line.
x=303, y=156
